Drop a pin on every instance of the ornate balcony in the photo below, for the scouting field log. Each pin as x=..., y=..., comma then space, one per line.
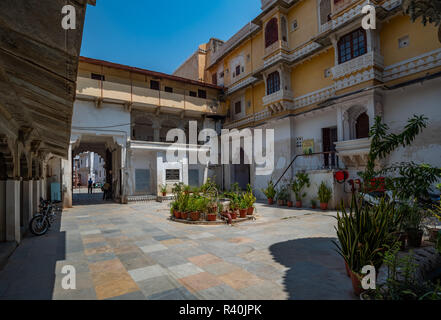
x=279, y=101
x=354, y=153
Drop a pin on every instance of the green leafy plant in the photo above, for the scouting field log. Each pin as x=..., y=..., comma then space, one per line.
x=249, y=199
x=405, y=180
x=401, y=282
x=324, y=193
x=164, y=188
x=313, y=203
x=363, y=233
x=283, y=193
x=270, y=191
x=301, y=181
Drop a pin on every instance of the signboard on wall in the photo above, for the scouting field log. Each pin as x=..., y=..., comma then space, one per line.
x=172, y=175
x=308, y=146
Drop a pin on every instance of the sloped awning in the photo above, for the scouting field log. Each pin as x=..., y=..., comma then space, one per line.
x=38, y=70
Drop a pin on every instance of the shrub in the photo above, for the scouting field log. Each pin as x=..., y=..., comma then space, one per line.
x=324, y=193
x=270, y=191
x=301, y=180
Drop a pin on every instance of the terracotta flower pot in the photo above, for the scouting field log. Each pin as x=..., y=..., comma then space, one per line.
x=356, y=283
x=195, y=216
x=250, y=211
x=211, y=217
x=314, y=207
x=233, y=215
x=280, y=203
x=270, y=202
x=243, y=213
x=164, y=194
x=290, y=204
x=177, y=214
x=184, y=215
x=298, y=204
x=324, y=206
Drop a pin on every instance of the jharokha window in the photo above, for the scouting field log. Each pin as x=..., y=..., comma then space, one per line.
x=273, y=83
x=271, y=32
x=352, y=45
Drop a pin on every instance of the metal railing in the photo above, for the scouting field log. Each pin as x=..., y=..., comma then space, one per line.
x=330, y=161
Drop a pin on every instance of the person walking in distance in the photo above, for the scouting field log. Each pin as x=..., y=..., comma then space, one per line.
x=90, y=186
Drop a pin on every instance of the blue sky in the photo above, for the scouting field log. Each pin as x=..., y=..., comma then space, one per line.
x=160, y=35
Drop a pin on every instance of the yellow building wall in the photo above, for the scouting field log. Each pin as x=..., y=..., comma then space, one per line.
x=422, y=39
x=310, y=75
x=305, y=13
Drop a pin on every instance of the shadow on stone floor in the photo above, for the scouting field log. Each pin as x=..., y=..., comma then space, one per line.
x=19, y=281
x=316, y=271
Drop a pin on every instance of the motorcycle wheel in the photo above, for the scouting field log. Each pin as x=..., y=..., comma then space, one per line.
x=39, y=225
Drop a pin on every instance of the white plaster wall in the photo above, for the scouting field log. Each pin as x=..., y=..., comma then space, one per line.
x=86, y=114
x=142, y=159
x=310, y=127
x=402, y=104
x=282, y=155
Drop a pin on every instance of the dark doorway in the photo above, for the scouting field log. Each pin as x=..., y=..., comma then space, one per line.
x=241, y=172
x=329, y=136
x=362, y=126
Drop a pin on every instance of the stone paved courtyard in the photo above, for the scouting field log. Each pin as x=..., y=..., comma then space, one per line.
x=134, y=252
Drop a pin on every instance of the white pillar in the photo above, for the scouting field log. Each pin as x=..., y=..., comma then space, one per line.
x=2, y=210
x=36, y=195
x=27, y=202
x=66, y=166
x=13, y=210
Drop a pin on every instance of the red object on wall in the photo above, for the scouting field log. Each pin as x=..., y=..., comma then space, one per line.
x=341, y=176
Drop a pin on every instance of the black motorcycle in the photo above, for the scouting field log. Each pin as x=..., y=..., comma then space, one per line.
x=41, y=222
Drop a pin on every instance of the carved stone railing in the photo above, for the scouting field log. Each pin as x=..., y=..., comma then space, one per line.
x=354, y=153
x=314, y=97
x=241, y=85
x=365, y=61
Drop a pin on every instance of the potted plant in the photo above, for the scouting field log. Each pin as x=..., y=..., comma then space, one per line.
x=195, y=207
x=164, y=190
x=313, y=204
x=282, y=196
x=243, y=207
x=250, y=200
x=270, y=192
x=362, y=234
x=174, y=206
x=301, y=180
x=324, y=195
x=413, y=221
x=212, y=214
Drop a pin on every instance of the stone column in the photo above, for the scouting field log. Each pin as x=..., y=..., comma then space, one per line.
x=66, y=168
x=2, y=210
x=13, y=210
x=36, y=195
x=27, y=202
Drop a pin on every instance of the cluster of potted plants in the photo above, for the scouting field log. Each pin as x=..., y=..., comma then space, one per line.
x=241, y=203
x=301, y=180
x=195, y=205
